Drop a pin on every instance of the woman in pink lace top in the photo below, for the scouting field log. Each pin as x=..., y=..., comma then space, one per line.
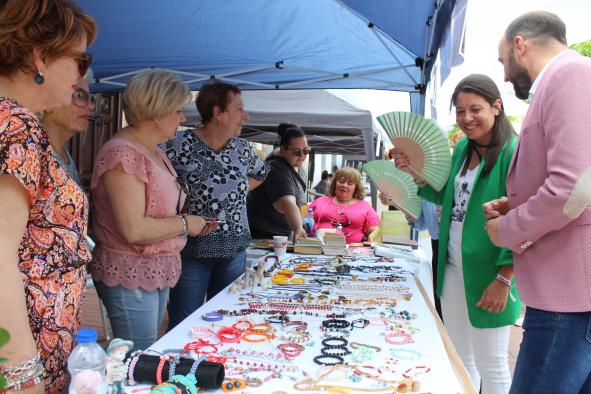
x=139, y=221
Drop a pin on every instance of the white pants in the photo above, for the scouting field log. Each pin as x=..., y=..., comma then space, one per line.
x=483, y=350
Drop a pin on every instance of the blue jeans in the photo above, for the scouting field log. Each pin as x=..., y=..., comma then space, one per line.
x=555, y=353
x=201, y=277
x=135, y=315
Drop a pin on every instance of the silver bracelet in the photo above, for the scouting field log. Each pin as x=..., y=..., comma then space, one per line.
x=185, y=231
x=504, y=280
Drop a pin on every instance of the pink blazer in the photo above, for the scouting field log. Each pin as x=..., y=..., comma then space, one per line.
x=549, y=236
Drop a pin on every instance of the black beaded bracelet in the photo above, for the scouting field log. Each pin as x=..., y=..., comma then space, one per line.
x=336, y=351
x=330, y=342
x=336, y=360
x=335, y=323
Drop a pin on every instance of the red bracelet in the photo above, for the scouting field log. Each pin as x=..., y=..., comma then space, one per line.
x=239, y=325
x=197, y=347
x=159, y=369
x=229, y=334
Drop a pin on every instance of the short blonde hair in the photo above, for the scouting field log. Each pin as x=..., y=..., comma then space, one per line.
x=153, y=94
x=349, y=174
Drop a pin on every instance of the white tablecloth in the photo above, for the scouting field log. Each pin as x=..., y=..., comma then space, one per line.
x=428, y=343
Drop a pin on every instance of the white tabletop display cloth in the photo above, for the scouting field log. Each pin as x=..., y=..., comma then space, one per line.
x=386, y=332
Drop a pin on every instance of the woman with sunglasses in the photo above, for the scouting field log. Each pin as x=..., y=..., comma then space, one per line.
x=344, y=209
x=43, y=214
x=274, y=208
x=138, y=219
x=219, y=168
x=65, y=122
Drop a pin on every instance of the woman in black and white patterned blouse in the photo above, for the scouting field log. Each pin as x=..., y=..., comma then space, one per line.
x=219, y=168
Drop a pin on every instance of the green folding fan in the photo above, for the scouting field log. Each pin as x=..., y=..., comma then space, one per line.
x=397, y=184
x=423, y=142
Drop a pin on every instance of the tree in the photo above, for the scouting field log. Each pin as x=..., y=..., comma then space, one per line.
x=584, y=48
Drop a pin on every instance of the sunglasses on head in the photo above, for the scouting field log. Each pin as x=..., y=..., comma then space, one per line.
x=81, y=98
x=300, y=152
x=83, y=60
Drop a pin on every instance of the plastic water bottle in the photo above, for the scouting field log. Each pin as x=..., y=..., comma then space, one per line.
x=87, y=364
x=308, y=222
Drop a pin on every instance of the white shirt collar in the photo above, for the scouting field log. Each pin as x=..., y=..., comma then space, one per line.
x=534, y=85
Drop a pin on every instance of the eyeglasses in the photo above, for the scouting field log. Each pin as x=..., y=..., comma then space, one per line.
x=83, y=60
x=301, y=152
x=81, y=98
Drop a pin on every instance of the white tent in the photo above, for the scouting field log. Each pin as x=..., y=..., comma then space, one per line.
x=331, y=124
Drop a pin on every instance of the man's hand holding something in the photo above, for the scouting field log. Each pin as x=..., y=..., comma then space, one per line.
x=495, y=208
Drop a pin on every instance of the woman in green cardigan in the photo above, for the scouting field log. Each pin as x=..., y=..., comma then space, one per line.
x=478, y=299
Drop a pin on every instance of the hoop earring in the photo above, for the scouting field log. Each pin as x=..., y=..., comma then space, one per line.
x=39, y=79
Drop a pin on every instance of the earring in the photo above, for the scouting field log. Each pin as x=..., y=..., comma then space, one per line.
x=39, y=79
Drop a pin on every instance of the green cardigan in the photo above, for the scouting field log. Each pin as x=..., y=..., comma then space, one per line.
x=480, y=258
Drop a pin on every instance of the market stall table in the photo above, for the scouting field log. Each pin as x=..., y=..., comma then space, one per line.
x=317, y=313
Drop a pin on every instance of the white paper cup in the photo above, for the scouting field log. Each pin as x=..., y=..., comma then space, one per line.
x=280, y=244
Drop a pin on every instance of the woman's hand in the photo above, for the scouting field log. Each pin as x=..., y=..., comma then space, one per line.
x=494, y=297
x=385, y=198
x=401, y=161
x=299, y=233
x=196, y=225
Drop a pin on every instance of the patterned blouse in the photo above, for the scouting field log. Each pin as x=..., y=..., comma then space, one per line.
x=53, y=252
x=218, y=183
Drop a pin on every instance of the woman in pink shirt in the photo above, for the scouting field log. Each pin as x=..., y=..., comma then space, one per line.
x=139, y=221
x=344, y=208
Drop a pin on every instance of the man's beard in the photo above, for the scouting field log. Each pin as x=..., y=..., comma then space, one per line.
x=520, y=78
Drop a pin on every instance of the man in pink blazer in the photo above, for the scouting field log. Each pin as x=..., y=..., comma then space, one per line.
x=546, y=219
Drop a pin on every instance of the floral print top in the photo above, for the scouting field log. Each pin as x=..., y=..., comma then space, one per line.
x=218, y=183
x=53, y=252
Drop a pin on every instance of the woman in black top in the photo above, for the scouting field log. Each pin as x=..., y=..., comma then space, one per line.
x=274, y=207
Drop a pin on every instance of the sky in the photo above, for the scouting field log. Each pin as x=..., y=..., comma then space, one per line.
x=485, y=22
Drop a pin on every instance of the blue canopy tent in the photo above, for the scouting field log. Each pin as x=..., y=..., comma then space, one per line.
x=272, y=44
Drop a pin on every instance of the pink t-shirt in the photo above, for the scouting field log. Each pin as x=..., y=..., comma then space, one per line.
x=355, y=219
x=115, y=261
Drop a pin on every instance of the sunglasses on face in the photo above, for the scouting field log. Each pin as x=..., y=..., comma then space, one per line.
x=81, y=98
x=83, y=60
x=301, y=152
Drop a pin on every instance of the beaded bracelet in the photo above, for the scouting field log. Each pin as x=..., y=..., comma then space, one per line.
x=420, y=370
x=329, y=342
x=195, y=364
x=335, y=351
x=404, y=338
x=173, y=361
x=291, y=349
x=405, y=354
x=242, y=323
x=134, y=359
x=159, y=369
x=197, y=347
x=229, y=334
x=320, y=360
x=335, y=323
x=357, y=345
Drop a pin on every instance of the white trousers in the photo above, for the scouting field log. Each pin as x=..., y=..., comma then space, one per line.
x=483, y=350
